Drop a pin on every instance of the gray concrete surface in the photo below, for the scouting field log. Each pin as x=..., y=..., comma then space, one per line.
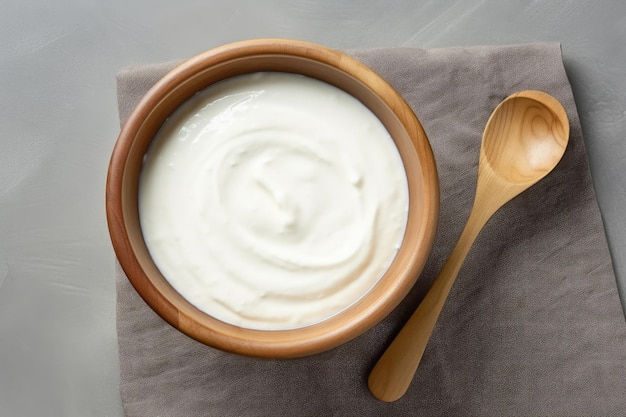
x=58, y=124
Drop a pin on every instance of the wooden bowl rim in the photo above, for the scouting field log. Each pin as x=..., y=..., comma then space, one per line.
x=332, y=332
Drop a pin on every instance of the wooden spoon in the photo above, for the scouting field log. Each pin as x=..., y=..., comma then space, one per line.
x=523, y=141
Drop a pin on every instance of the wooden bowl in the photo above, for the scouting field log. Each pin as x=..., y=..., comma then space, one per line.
x=284, y=56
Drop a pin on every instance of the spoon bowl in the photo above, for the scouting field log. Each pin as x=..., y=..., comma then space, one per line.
x=524, y=137
x=523, y=141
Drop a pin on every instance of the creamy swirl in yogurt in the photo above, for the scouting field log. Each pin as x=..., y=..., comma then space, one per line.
x=272, y=200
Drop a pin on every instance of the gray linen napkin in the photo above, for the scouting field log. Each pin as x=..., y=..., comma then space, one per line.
x=533, y=325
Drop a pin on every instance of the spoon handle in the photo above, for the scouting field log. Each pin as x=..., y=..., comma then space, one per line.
x=392, y=375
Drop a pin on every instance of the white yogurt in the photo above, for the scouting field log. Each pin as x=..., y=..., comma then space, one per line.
x=273, y=201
